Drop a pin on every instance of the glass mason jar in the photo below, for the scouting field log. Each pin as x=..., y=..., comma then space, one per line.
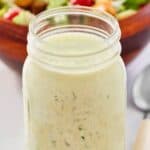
x=74, y=82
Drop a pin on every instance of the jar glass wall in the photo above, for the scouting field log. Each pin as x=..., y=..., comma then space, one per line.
x=74, y=82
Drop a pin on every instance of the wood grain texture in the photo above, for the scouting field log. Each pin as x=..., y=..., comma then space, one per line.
x=135, y=35
x=142, y=141
x=13, y=40
x=135, y=31
x=136, y=23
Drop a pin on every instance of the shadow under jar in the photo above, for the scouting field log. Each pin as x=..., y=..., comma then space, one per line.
x=74, y=82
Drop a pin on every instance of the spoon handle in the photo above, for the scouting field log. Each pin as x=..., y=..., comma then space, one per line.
x=142, y=141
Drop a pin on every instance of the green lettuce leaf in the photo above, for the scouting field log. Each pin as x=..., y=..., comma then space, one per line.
x=57, y=3
x=135, y=4
x=3, y=8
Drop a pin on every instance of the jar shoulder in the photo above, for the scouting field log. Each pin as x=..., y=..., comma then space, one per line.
x=115, y=67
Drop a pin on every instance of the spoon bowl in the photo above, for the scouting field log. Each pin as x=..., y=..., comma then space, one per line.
x=141, y=90
x=141, y=96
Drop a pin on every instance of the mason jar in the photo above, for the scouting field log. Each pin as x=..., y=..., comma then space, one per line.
x=74, y=82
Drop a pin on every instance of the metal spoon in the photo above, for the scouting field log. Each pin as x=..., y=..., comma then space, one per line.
x=141, y=95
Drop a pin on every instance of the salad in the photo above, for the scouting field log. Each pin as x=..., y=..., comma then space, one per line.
x=21, y=11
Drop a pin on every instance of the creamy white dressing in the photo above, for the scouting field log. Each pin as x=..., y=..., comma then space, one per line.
x=73, y=110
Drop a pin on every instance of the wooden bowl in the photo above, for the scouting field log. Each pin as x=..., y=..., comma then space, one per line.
x=135, y=35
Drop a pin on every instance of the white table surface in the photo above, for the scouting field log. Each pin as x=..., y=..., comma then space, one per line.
x=11, y=104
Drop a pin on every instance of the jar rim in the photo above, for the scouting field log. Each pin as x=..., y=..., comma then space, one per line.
x=92, y=12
